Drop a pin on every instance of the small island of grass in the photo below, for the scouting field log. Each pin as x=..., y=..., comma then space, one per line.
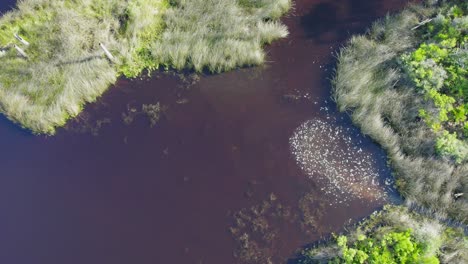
x=56, y=56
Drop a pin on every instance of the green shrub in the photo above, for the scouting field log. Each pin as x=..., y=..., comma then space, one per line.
x=393, y=247
x=394, y=235
x=448, y=144
x=438, y=68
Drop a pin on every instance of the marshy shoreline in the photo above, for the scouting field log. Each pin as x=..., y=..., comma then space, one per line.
x=62, y=66
x=371, y=85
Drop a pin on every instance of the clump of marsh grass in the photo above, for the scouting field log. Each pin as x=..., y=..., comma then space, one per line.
x=219, y=35
x=370, y=84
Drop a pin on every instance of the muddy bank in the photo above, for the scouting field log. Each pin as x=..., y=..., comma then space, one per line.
x=109, y=191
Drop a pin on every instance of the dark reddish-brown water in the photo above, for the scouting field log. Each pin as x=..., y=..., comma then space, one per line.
x=103, y=191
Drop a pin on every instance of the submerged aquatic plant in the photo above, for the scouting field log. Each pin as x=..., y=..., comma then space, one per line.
x=152, y=111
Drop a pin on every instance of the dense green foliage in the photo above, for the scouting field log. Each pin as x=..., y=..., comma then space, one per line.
x=64, y=66
x=392, y=248
x=438, y=67
x=393, y=236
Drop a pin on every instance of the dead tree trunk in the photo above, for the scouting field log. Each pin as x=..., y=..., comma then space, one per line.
x=20, y=39
x=21, y=52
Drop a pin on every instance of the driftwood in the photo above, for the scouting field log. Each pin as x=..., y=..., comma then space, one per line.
x=20, y=39
x=106, y=51
x=422, y=23
x=21, y=52
x=3, y=50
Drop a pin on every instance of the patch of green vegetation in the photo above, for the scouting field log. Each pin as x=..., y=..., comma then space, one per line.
x=447, y=144
x=393, y=236
x=219, y=35
x=64, y=66
x=438, y=67
x=257, y=229
x=142, y=35
x=392, y=247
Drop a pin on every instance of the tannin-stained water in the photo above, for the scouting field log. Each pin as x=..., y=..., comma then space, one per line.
x=213, y=181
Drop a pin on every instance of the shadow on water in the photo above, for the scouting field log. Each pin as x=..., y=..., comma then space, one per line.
x=321, y=19
x=7, y=5
x=217, y=164
x=337, y=20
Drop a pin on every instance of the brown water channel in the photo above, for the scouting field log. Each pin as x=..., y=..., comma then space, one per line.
x=103, y=191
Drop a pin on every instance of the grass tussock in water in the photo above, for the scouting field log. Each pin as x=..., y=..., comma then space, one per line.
x=64, y=66
x=383, y=101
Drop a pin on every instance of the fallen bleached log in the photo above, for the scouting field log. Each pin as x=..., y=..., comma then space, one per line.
x=4, y=50
x=106, y=51
x=422, y=23
x=20, y=39
x=21, y=51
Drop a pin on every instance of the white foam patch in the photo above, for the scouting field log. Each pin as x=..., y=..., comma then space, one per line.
x=327, y=153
